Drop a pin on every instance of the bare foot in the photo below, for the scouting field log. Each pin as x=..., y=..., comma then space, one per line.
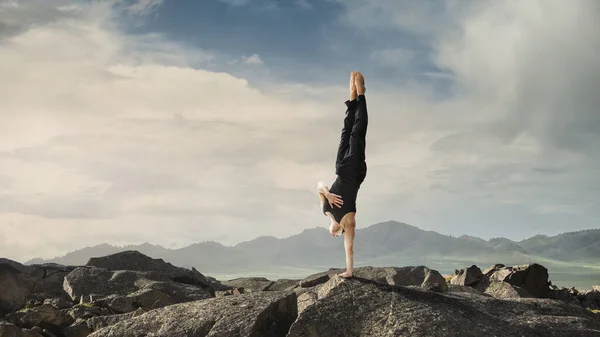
x=335, y=229
x=353, y=92
x=345, y=274
x=359, y=82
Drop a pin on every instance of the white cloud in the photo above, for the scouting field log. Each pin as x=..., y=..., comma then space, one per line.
x=104, y=133
x=252, y=59
x=522, y=125
x=144, y=6
x=111, y=137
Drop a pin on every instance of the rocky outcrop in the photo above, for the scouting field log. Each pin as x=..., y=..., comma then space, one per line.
x=99, y=322
x=283, y=285
x=234, y=291
x=11, y=330
x=463, y=289
x=500, y=289
x=138, y=286
x=533, y=278
x=129, y=294
x=136, y=261
x=18, y=283
x=501, y=281
x=492, y=269
x=45, y=316
x=419, y=276
x=467, y=277
x=385, y=310
x=306, y=299
x=77, y=329
x=250, y=284
x=215, y=285
x=268, y=314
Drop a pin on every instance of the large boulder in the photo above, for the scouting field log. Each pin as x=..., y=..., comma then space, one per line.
x=11, y=330
x=306, y=299
x=361, y=307
x=134, y=260
x=250, y=284
x=419, y=276
x=467, y=277
x=533, y=278
x=266, y=314
x=492, y=269
x=45, y=316
x=85, y=311
x=499, y=289
x=283, y=285
x=129, y=290
x=77, y=329
x=18, y=283
x=99, y=322
x=316, y=279
x=15, y=288
x=215, y=285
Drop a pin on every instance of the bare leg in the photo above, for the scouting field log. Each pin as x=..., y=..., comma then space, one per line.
x=348, y=121
x=349, y=247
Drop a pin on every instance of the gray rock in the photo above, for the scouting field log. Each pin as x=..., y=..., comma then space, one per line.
x=120, y=304
x=361, y=307
x=146, y=298
x=77, y=329
x=15, y=289
x=434, y=281
x=223, y=293
x=91, y=280
x=234, y=291
x=59, y=303
x=45, y=316
x=467, y=277
x=316, y=279
x=9, y=330
x=216, y=285
x=419, y=276
x=455, y=288
x=20, y=283
x=31, y=333
x=266, y=314
x=97, y=323
x=492, y=269
x=136, y=261
x=283, y=285
x=305, y=300
x=85, y=311
x=561, y=295
x=332, y=285
x=533, y=278
x=49, y=279
x=505, y=290
x=592, y=295
x=250, y=284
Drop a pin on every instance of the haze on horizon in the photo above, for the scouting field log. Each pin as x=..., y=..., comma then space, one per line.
x=174, y=122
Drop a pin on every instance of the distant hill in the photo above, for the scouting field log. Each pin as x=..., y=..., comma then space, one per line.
x=384, y=243
x=584, y=244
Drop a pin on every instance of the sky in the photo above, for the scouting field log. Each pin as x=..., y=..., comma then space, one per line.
x=181, y=121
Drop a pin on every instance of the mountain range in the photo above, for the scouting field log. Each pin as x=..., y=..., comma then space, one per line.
x=386, y=243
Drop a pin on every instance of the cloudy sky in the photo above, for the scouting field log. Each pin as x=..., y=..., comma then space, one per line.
x=178, y=121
